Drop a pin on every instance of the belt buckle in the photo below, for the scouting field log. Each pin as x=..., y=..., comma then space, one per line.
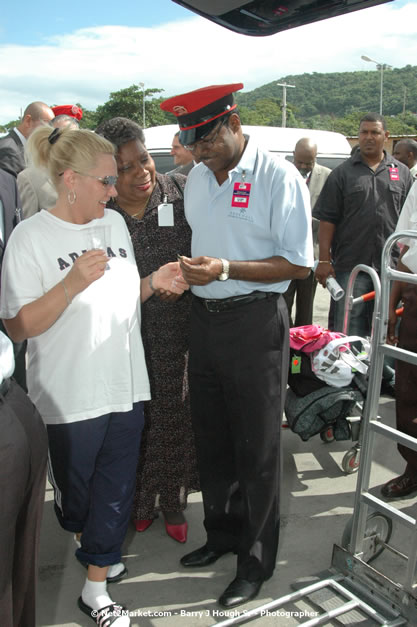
x=213, y=306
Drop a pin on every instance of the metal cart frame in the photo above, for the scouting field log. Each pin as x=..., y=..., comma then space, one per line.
x=362, y=586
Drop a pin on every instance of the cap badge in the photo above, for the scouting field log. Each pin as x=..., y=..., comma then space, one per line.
x=179, y=110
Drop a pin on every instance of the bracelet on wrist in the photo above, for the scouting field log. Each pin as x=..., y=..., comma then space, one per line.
x=151, y=283
x=325, y=261
x=69, y=301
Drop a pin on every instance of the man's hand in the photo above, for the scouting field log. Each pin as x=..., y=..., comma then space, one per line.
x=392, y=338
x=200, y=270
x=323, y=271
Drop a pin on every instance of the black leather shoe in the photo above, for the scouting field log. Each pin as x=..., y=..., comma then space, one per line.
x=240, y=591
x=201, y=557
x=399, y=487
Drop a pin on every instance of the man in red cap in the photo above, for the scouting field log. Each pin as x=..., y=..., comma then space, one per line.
x=251, y=234
x=71, y=110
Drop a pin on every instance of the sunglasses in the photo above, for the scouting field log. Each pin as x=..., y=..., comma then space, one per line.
x=107, y=181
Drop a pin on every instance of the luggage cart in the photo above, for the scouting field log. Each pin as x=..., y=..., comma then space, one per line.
x=359, y=585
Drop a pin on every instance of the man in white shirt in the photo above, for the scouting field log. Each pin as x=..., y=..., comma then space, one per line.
x=405, y=373
x=251, y=234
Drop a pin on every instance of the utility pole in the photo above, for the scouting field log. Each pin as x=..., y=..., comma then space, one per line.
x=381, y=67
x=284, y=102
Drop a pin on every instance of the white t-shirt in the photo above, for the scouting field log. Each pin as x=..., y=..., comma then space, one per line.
x=90, y=362
x=408, y=222
x=273, y=220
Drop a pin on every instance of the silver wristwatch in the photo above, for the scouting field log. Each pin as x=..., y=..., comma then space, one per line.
x=224, y=275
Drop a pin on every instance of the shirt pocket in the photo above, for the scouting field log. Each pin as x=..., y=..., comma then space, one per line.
x=355, y=198
x=396, y=194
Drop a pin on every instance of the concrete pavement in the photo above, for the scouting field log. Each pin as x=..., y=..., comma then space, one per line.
x=317, y=501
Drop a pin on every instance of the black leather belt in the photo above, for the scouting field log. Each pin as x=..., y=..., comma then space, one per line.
x=215, y=305
x=4, y=387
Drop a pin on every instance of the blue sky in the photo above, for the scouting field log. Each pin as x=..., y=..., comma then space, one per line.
x=62, y=54
x=40, y=21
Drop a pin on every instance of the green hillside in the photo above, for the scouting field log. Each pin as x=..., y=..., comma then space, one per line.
x=336, y=101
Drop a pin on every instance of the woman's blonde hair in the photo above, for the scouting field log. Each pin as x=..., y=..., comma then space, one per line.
x=62, y=148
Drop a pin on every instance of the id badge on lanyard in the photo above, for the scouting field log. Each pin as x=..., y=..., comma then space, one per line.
x=166, y=213
x=241, y=193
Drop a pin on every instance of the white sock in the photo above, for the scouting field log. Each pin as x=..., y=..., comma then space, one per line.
x=115, y=569
x=94, y=594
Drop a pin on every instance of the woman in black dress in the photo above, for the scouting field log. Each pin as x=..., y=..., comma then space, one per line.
x=167, y=469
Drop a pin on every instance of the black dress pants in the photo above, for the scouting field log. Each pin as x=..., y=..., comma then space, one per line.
x=238, y=373
x=23, y=457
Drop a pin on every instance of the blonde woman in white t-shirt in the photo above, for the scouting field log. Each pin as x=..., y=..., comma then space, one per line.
x=70, y=286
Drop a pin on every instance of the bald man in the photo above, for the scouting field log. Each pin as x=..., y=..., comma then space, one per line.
x=315, y=175
x=405, y=151
x=12, y=147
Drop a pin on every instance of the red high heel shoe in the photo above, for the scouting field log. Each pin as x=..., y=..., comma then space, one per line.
x=177, y=532
x=142, y=525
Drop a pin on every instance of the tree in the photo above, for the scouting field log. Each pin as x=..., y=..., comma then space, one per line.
x=128, y=103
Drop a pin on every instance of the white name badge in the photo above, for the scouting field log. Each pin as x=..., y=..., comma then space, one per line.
x=166, y=214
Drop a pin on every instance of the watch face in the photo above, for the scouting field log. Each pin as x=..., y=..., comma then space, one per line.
x=223, y=276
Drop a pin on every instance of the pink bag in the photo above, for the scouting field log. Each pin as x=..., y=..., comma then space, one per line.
x=311, y=337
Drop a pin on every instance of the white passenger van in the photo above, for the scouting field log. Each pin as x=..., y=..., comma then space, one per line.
x=332, y=148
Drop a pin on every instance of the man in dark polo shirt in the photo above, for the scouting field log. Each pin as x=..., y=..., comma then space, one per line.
x=358, y=209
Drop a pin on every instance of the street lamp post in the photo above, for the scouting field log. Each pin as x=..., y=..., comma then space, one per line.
x=381, y=67
x=143, y=104
x=284, y=102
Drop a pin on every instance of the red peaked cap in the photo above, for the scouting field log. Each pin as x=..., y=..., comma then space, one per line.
x=198, y=111
x=72, y=110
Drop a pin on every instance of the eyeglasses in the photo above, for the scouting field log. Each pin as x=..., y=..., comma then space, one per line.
x=207, y=141
x=107, y=181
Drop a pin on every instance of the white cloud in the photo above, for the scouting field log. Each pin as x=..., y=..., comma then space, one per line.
x=88, y=64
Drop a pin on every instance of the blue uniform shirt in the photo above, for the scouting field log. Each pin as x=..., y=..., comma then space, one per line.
x=276, y=222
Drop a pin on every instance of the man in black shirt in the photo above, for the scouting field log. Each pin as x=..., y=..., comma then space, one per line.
x=358, y=209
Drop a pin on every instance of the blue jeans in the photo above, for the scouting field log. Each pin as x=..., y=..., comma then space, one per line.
x=92, y=467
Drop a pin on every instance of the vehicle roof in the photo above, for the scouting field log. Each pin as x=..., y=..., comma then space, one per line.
x=274, y=139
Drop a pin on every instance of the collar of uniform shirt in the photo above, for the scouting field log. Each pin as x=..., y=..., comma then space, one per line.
x=247, y=161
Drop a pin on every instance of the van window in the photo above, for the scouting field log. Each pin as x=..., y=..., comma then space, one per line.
x=163, y=162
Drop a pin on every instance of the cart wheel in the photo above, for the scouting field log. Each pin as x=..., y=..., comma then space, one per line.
x=350, y=462
x=327, y=435
x=377, y=525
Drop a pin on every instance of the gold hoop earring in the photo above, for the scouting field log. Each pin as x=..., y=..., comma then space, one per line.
x=72, y=197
